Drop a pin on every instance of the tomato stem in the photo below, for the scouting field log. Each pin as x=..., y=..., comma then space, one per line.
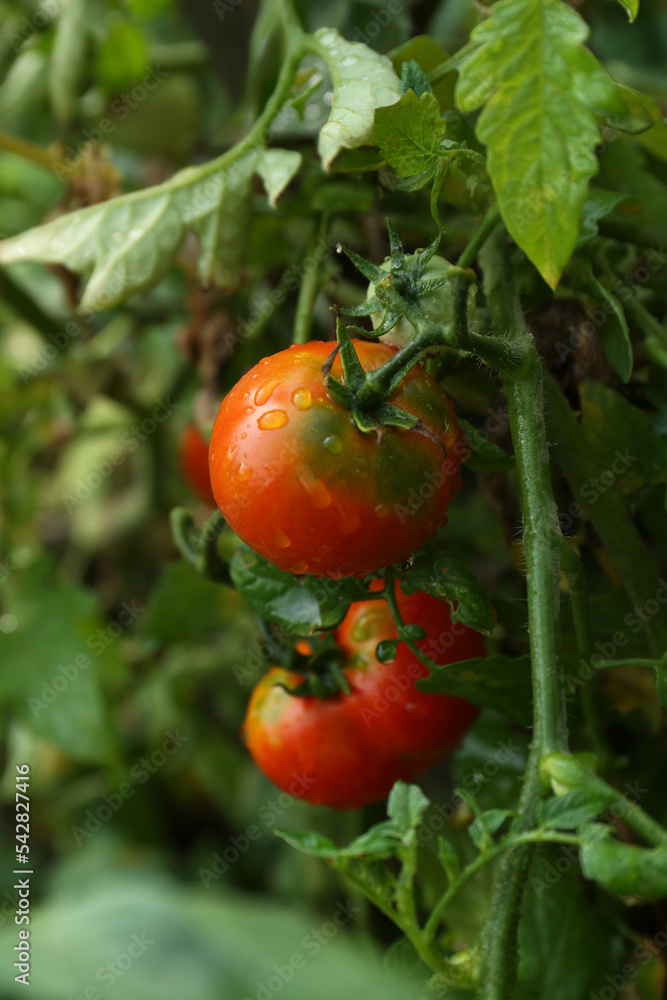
x=542, y=546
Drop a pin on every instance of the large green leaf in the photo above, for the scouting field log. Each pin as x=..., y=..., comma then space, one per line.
x=498, y=682
x=566, y=940
x=125, y=245
x=301, y=604
x=363, y=80
x=440, y=574
x=540, y=90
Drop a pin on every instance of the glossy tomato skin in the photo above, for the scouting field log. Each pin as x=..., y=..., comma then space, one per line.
x=302, y=486
x=349, y=750
x=415, y=726
x=314, y=749
x=193, y=458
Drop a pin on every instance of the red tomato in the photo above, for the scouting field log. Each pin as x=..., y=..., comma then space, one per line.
x=349, y=750
x=193, y=456
x=302, y=486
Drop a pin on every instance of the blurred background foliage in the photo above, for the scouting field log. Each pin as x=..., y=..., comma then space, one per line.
x=109, y=644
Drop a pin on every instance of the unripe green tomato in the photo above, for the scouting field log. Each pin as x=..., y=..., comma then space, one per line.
x=438, y=301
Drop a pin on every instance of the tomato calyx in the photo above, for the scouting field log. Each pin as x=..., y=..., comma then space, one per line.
x=405, y=277
x=323, y=675
x=365, y=393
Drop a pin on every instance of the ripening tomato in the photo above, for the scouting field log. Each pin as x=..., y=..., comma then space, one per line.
x=193, y=457
x=297, y=481
x=349, y=750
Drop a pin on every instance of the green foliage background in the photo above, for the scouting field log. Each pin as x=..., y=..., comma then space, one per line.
x=111, y=645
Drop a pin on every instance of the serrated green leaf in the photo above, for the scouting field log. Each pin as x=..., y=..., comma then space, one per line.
x=614, y=332
x=540, y=89
x=305, y=604
x=376, y=842
x=598, y=204
x=67, y=64
x=570, y=810
x=623, y=868
x=125, y=245
x=405, y=807
x=441, y=575
x=414, y=78
x=277, y=167
x=409, y=133
x=497, y=682
x=363, y=80
x=485, y=456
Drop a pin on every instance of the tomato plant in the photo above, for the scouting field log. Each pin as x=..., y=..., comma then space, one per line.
x=413, y=256
x=304, y=487
x=349, y=749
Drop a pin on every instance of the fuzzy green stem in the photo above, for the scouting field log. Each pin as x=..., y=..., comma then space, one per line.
x=484, y=230
x=523, y=389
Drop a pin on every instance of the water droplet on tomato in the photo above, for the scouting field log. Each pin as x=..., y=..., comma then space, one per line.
x=333, y=444
x=281, y=539
x=302, y=399
x=300, y=566
x=272, y=419
x=244, y=435
x=351, y=523
x=263, y=394
x=249, y=409
x=316, y=490
x=382, y=510
x=244, y=472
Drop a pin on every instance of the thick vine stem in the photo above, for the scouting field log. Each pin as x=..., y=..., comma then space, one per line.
x=523, y=389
